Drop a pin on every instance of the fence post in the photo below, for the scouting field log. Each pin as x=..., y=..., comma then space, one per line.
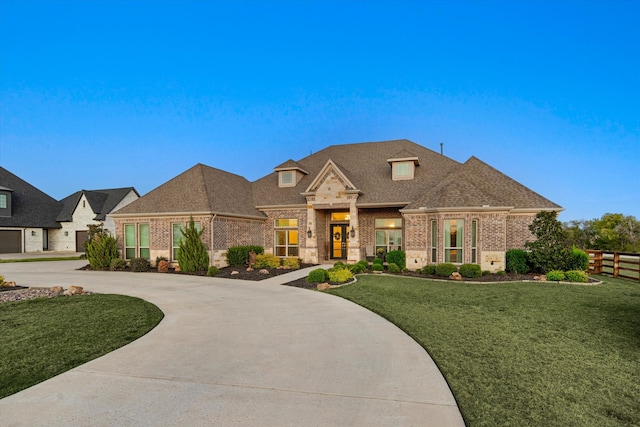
x=616, y=263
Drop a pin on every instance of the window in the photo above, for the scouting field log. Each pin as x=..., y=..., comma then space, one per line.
x=388, y=234
x=287, y=178
x=434, y=241
x=3, y=201
x=402, y=169
x=143, y=233
x=286, y=237
x=176, y=237
x=453, y=238
x=474, y=241
x=129, y=241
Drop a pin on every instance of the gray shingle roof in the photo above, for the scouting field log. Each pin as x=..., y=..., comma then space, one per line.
x=102, y=202
x=30, y=206
x=199, y=189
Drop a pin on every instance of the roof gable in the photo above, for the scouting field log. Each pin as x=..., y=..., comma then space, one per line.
x=101, y=202
x=330, y=172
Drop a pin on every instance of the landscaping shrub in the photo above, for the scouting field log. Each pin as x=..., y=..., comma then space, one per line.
x=237, y=256
x=445, y=269
x=340, y=275
x=517, y=261
x=393, y=267
x=356, y=268
x=377, y=267
x=1, y=280
x=555, y=275
x=500, y=273
x=378, y=261
x=319, y=275
x=398, y=257
x=548, y=252
x=140, y=265
x=267, y=261
x=339, y=264
x=429, y=269
x=118, y=264
x=193, y=255
x=163, y=266
x=578, y=260
x=470, y=270
x=486, y=272
x=101, y=248
x=291, y=262
x=575, y=276
x=213, y=271
x=364, y=264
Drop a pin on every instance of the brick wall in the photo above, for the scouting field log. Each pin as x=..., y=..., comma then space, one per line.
x=518, y=230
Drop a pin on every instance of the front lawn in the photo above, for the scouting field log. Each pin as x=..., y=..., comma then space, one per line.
x=518, y=354
x=43, y=337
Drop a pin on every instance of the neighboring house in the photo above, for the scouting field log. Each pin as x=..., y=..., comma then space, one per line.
x=31, y=221
x=345, y=202
x=27, y=215
x=86, y=207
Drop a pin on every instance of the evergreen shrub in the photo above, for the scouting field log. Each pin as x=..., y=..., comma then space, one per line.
x=267, y=261
x=377, y=267
x=319, y=275
x=378, y=261
x=213, y=271
x=470, y=270
x=445, y=269
x=555, y=275
x=578, y=276
x=291, y=262
x=340, y=275
x=517, y=261
x=237, y=256
x=118, y=264
x=397, y=257
x=429, y=269
x=193, y=255
x=140, y=265
x=577, y=260
x=393, y=267
x=101, y=247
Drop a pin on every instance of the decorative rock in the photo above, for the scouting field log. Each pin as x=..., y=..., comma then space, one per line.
x=455, y=276
x=177, y=269
x=249, y=268
x=163, y=266
x=323, y=286
x=235, y=272
x=9, y=284
x=67, y=293
x=264, y=271
x=76, y=290
x=58, y=289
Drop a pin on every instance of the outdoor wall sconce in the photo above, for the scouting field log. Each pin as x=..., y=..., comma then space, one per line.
x=66, y=233
x=309, y=233
x=352, y=233
x=33, y=233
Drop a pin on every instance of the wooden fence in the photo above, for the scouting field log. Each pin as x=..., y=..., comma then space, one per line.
x=618, y=264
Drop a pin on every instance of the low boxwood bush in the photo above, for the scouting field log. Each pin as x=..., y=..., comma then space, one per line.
x=555, y=275
x=339, y=264
x=429, y=269
x=470, y=270
x=378, y=261
x=377, y=267
x=340, y=275
x=291, y=262
x=356, y=268
x=393, y=267
x=486, y=272
x=445, y=269
x=118, y=264
x=398, y=258
x=578, y=260
x=364, y=264
x=575, y=276
x=517, y=261
x=140, y=265
x=213, y=271
x=319, y=275
x=237, y=256
x=267, y=261
x=501, y=273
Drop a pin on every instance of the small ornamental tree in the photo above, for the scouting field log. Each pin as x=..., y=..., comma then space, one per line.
x=101, y=248
x=549, y=251
x=192, y=254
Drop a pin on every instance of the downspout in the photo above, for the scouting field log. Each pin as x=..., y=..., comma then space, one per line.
x=211, y=243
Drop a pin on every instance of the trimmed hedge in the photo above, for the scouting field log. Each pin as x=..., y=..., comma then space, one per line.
x=140, y=265
x=429, y=269
x=578, y=260
x=213, y=271
x=319, y=275
x=576, y=276
x=470, y=270
x=517, y=261
x=445, y=269
x=267, y=261
x=398, y=258
x=555, y=276
x=237, y=256
x=393, y=267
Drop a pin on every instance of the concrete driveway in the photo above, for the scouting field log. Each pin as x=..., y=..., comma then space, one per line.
x=232, y=352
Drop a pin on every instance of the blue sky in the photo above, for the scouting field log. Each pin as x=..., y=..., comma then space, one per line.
x=132, y=93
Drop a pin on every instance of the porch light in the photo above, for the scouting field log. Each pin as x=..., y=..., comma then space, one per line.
x=309, y=233
x=352, y=233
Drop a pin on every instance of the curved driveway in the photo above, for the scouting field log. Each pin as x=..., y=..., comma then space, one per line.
x=231, y=352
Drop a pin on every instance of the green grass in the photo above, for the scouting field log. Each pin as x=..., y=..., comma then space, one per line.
x=44, y=337
x=68, y=258
x=520, y=353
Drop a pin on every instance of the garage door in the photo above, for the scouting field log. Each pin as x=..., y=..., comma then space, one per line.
x=81, y=237
x=10, y=241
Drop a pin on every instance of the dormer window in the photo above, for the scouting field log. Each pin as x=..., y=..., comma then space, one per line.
x=403, y=168
x=289, y=174
x=5, y=202
x=287, y=179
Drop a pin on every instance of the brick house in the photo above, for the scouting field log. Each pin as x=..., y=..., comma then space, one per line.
x=345, y=202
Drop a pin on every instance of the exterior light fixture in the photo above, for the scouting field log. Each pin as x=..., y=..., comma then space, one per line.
x=33, y=233
x=352, y=233
x=309, y=233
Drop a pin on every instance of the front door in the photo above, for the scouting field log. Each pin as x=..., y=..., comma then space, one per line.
x=339, y=241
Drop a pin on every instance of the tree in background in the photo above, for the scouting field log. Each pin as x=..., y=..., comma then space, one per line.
x=192, y=253
x=101, y=247
x=611, y=232
x=550, y=250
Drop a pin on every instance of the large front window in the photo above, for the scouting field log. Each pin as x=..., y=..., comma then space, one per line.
x=388, y=234
x=129, y=241
x=453, y=240
x=286, y=237
x=177, y=236
x=136, y=244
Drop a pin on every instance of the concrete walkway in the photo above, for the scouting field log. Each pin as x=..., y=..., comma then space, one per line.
x=231, y=352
